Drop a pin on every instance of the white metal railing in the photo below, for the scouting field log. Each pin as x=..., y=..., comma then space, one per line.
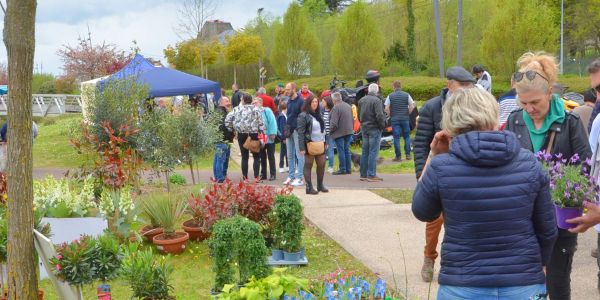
x=48, y=104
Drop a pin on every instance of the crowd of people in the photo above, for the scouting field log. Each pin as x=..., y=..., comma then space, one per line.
x=474, y=161
x=478, y=176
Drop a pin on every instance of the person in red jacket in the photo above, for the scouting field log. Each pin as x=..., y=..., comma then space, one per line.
x=267, y=100
x=305, y=92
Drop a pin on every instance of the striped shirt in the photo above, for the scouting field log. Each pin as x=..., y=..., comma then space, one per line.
x=326, y=114
x=507, y=106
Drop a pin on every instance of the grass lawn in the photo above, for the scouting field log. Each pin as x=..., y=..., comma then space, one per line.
x=193, y=277
x=53, y=150
x=398, y=196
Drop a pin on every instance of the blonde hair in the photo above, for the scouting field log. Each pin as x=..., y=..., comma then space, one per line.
x=470, y=109
x=542, y=63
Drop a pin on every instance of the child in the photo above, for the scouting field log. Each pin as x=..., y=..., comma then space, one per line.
x=281, y=121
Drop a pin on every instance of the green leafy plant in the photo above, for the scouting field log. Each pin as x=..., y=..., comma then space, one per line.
x=74, y=262
x=108, y=257
x=177, y=179
x=289, y=224
x=59, y=198
x=238, y=240
x=167, y=212
x=274, y=286
x=147, y=276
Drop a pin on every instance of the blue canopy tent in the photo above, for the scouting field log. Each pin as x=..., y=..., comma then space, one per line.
x=163, y=82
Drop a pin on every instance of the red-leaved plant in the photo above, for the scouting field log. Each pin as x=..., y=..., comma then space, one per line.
x=223, y=200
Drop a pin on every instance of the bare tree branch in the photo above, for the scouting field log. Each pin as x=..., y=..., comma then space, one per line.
x=192, y=15
x=3, y=9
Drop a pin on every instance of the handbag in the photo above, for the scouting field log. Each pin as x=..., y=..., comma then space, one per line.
x=315, y=148
x=252, y=145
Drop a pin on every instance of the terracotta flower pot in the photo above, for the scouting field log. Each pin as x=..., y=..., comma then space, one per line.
x=174, y=245
x=40, y=295
x=150, y=232
x=196, y=233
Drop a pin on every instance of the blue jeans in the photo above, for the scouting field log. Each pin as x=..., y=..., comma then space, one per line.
x=401, y=128
x=330, y=150
x=345, y=159
x=221, y=161
x=524, y=292
x=295, y=159
x=371, y=139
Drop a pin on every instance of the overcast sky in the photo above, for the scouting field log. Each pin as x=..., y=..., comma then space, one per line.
x=150, y=22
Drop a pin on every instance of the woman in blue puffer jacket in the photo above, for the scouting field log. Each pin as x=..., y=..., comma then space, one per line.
x=499, y=221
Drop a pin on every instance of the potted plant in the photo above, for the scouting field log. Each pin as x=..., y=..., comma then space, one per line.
x=570, y=186
x=107, y=263
x=275, y=286
x=73, y=262
x=152, y=227
x=237, y=241
x=289, y=226
x=147, y=276
x=194, y=226
x=167, y=212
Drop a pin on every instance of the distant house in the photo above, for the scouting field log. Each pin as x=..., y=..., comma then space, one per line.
x=216, y=29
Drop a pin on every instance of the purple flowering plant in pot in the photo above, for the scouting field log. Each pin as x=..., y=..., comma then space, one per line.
x=570, y=185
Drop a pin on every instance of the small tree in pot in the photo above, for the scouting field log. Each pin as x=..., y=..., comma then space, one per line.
x=194, y=226
x=289, y=225
x=167, y=212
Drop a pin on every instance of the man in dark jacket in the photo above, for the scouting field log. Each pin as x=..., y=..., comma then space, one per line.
x=295, y=159
x=237, y=95
x=341, y=129
x=594, y=71
x=430, y=118
x=222, y=149
x=399, y=105
x=372, y=123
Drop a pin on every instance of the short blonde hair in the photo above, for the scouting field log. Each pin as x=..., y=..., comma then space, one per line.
x=542, y=63
x=470, y=109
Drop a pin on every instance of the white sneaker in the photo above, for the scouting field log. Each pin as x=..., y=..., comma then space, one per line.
x=287, y=169
x=281, y=170
x=330, y=170
x=298, y=182
x=287, y=181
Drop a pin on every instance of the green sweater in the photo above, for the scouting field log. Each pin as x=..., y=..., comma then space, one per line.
x=556, y=114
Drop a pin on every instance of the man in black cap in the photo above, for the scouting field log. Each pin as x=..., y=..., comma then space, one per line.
x=430, y=117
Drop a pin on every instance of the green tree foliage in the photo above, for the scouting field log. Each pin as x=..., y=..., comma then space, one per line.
x=191, y=54
x=296, y=43
x=410, y=36
x=582, y=24
x=506, y=37
x=316, y=8
x=243, y=49
x=39, y=80
x=359, y=43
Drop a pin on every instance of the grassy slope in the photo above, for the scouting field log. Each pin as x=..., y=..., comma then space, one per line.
x=398, y=196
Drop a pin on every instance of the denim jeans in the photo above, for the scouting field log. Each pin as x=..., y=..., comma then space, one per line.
x=343, y=147
x=401, y=128
x=295, y=159
x=524, y=292
x=283, y=160
x=330, y=150
x=371, y=139
x=221, y=161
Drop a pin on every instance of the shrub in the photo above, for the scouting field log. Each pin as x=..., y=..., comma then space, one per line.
x=238, y=240
x=274, y=286
x=178, y=179
x=288, y=223
x=166, y=211
x=148, y=277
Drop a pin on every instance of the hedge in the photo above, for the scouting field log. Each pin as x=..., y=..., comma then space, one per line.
x=423, y=88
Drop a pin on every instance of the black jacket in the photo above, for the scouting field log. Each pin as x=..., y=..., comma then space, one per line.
x=227, y=135
x=305, y=129
x=570, y=137
x=236, y=98
x=430, y=118
x=370, y=113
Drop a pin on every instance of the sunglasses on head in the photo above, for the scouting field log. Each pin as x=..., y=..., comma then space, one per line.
x=518, y=76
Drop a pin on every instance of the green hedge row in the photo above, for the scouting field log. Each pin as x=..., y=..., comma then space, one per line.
x=423, y=88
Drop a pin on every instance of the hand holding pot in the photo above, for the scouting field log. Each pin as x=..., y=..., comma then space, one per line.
x=591, y=218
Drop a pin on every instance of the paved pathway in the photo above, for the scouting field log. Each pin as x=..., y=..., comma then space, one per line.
x=375, y=231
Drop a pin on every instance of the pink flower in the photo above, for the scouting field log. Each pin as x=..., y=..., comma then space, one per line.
x=59, y=257
x=58, y=267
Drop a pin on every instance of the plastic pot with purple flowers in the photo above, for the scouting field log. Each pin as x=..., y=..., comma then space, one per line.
x=570, y=186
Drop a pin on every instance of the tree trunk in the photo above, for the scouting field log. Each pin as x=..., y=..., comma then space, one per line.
x=234, y=75
x=191, y=163
x=168, y=182
x=19, y=38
